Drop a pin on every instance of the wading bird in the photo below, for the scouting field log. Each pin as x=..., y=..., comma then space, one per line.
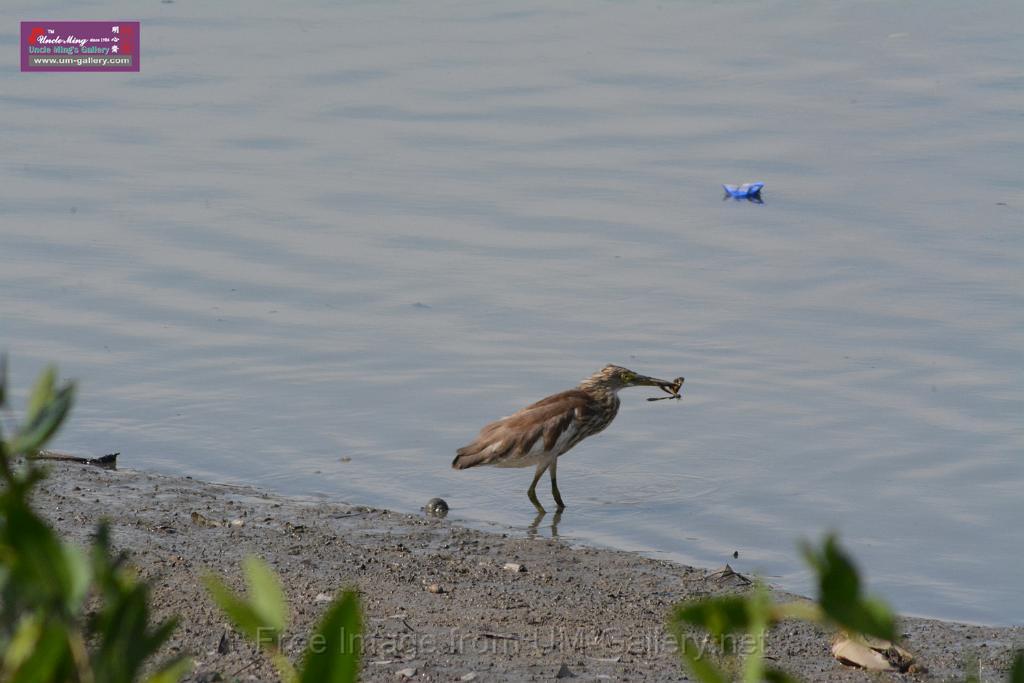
x=538, y=434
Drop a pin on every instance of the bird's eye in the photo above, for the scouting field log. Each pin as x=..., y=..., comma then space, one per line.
x=628, y=377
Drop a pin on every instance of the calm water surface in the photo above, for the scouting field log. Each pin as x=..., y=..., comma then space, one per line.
x=305, y=233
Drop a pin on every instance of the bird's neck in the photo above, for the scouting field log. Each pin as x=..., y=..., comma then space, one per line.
x=601, y=392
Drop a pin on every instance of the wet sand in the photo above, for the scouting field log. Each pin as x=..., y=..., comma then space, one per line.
x=438, y=602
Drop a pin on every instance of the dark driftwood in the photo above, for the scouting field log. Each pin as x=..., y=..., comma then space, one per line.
x=108, y=461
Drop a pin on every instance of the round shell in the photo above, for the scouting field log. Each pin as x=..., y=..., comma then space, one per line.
x=436, y=507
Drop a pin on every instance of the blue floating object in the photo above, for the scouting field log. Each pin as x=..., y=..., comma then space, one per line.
x=744, y=191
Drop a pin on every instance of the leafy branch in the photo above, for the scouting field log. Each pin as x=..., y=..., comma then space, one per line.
x=332, y=653
x=45, y=583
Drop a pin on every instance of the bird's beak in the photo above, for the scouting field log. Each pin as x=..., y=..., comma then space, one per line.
x=672, y=386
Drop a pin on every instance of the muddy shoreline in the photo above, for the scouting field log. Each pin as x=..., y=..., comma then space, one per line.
x=438, y=602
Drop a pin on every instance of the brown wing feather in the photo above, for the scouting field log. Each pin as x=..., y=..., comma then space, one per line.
x=518, y=433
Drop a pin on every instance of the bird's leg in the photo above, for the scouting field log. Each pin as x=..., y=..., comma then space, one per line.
x=532, y=493
x=553, y=471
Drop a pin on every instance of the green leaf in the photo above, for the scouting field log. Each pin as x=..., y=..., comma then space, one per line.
x=79, y=576
x=732, y=621
x=124, y=638
x=42, y=392
x=698, y=661
x=172, y=672
x=23, y=642
x=44, y=422
x=840, y=593
x=972, y=668
x=120, y=629
x=332, y=655
x=773, y=675
x=41, y=651
x=284, y=668
x=246, y=619
x=3, y=379
x=719, y=616
x=1017, y=672
x=801, y=610
x=261, y=616
x=265, y=594
x=43, y=571
x=759, y=607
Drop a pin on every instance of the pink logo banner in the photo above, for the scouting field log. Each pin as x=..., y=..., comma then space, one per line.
x=80, y=46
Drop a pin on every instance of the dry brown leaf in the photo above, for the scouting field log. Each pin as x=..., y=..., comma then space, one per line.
x=869, y=653
x=852, y=653
x=200, y=519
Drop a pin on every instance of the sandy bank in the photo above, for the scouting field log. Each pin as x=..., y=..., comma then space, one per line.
x=598, y=613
